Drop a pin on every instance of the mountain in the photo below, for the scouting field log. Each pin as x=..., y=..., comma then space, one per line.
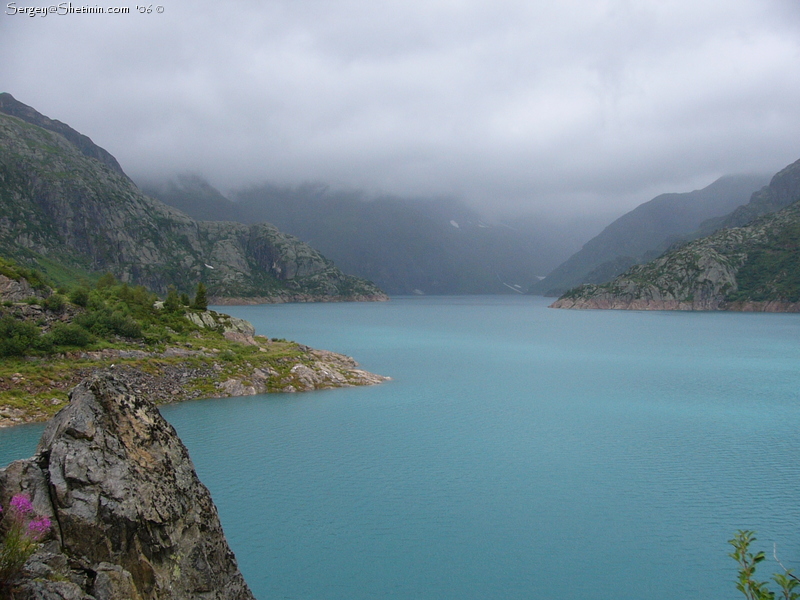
x=66, y=207
x=755, y=267
x=200, y=200
x=13, y=107
x=648, y=231
x=780, y=193
x=404, y=245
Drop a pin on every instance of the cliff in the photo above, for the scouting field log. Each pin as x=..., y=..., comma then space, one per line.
x=130, y=518
x=68, y=209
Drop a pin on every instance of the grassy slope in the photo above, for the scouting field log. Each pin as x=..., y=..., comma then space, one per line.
x=48, y=345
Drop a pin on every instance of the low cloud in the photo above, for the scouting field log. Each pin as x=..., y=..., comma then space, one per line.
x=513, y=106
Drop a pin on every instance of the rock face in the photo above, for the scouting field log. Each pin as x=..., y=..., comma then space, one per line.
x=63, y=200
x=130, y=517
x=15, y=291
x=751, y=268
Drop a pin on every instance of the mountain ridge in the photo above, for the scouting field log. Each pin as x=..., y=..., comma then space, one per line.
x=63, y=209
x=754, y=267
x=405, y=245
x=647, y=231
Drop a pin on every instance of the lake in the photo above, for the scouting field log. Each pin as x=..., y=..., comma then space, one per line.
x=518, y=452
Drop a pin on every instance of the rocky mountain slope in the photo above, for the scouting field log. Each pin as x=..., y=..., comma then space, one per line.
x=647, y=231
x=129, y=518
x=434, y=246
x=753, y=268
x=66, y=206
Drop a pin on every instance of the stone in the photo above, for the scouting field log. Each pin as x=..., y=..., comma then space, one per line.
x=126, y=504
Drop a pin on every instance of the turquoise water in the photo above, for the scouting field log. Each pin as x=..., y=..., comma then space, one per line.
x=519, y=452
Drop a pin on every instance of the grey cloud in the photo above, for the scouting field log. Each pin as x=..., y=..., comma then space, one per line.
x=540, y=106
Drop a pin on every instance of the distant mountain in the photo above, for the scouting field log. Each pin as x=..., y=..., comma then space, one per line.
x=648, y=231
x=780, y=193
x=404, y=245
x=66, y=207
x=755, y=267
x=196, y=197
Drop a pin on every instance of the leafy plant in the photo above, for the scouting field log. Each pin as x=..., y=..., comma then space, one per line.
x=746, y=582
x=22, y=531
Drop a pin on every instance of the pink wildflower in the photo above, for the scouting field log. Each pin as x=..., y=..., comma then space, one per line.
x=21, y=504
x=38, y=527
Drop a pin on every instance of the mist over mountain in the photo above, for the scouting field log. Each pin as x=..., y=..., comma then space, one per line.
x=67, y=208
x=753, y=267
x=404, y=245
x=647, y=231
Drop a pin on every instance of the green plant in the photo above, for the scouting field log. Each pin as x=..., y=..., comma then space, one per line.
x=79, y=296
x=16, y=337
x=22, y=532
x=172, y=303
x=200, y=298
x=746, y=583
x=70, y=334
x=54, y=303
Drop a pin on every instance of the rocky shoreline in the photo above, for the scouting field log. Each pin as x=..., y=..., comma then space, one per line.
x=179, y=374
x=611, y=302
x=287, y=298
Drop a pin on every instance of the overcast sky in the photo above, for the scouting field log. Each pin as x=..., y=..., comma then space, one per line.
x=568, y=105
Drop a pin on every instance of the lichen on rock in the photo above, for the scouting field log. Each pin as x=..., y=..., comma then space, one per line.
x=130, y=517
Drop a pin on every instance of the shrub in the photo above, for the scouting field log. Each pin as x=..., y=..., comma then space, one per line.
x=750, y=587
x=71, y=334
x=16, y=337
x=200, y=298
x=79, y=296
x=106, y=280
x=172, y=303
x=54, y=303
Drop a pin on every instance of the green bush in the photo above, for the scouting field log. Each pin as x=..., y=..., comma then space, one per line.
x=200, y=298
x=106, y=322
x=71, y=334
x=172, y=303
x=54, y=303
x=16, y=337
x=79, y=296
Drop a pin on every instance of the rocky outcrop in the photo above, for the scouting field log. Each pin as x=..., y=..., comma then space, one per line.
x=694, y=278
x=211, y=319
x=11, y=106
x=131, y=520
x=12, y=290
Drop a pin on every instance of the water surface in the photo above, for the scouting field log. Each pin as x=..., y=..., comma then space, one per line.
x=519, y=452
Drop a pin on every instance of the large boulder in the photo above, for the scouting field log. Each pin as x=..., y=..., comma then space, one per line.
x=130, y=517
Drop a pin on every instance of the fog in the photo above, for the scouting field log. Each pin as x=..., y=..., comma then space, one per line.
x=577, y=107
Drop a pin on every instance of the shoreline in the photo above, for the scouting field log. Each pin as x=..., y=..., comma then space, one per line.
x=35, y=389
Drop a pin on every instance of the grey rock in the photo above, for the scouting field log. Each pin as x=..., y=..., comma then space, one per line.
x=12, y=290
x=125, y=502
